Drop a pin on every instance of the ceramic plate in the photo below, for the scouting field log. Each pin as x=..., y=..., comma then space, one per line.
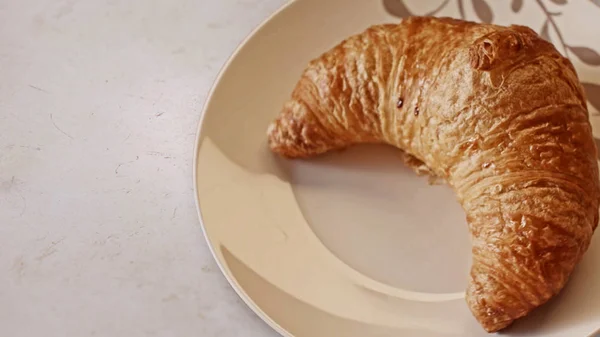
x=353, y=244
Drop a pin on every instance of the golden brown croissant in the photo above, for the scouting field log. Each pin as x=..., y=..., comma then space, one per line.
x=495, y=111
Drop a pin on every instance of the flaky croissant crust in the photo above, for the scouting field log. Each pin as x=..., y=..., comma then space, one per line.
x=495, y=111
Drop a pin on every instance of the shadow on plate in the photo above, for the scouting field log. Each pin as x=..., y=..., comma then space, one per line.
x=302, y=319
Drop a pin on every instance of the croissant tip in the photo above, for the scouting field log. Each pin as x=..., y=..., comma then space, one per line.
x=281, y=140
x=273, y=137
x=496, y=327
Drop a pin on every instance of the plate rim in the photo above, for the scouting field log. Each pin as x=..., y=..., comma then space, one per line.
x=197, y=142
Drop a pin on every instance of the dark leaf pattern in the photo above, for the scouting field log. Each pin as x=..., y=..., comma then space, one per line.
x=559, y=2
x=483, y=11
x=438, y=9
x=586, y=55
x=461, y=9
x=592, y=91
x=596, y=2
x=517, y=5
x=544, y=32
x=397, y=8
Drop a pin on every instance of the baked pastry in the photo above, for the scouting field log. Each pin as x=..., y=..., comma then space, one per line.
x=497, y=113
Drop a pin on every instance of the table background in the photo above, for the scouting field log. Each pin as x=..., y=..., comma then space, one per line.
x=99, y=105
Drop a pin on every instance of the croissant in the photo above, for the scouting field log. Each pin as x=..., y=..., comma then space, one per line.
x=494, y=111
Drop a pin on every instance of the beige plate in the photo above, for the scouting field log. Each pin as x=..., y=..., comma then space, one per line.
x=353, y=244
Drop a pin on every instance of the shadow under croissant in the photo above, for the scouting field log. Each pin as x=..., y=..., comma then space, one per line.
x=385, y=212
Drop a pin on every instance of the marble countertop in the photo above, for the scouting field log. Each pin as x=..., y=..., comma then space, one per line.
x=99, y=105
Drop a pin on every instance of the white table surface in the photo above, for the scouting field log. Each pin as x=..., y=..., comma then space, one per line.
x=99, y=105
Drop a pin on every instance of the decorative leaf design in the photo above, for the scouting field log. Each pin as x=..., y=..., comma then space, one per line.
x=544, y=32
x=559, y=2
x=438, y=9
x=517, y=5
x=592, y=91
x=397, y=8
x=483, y=11
x=461, y=9
x=586, y=55
x=596, y=2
